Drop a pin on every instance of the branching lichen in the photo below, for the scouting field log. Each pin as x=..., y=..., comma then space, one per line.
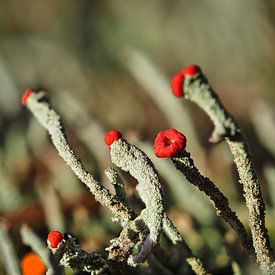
x=39, y=105
x=143, y=230
x=131, y=159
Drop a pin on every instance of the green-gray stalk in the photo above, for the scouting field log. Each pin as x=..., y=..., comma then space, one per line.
x=69, y=254
x=198, y=90
x=131, y=159
x=185, y=164
x=117, y=182
x=38, y=104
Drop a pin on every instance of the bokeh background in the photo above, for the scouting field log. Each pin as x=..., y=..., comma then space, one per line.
x=106, y=65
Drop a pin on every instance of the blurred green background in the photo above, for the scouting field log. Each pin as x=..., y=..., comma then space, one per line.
x=107, y=64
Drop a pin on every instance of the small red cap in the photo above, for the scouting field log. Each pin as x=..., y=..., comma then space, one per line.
x=177, y=85
x=26, y=96
x=190, y=70
x=54, y=238
x=178, y=79
x=112, y=136
x=169, y=143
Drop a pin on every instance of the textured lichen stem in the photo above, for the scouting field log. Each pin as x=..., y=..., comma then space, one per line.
x=42, y=110
x=185, y=164
x=69, y=254
x=131, y=159
x=176, y=238
x=226, y=128
x=254, y=203
x=117, y=182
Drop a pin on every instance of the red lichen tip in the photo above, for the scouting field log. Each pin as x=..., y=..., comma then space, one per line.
x=177, y=85
x=178, y=80
x=112, y=136
x=168, y=143
x=190, y=70
x=54, y=238
x=26, y=96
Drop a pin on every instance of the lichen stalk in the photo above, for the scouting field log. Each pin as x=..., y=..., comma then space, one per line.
x=184, y=163
x=69, y=254
x=131, y=159
x=254, y=203
x=39, y=105
x=117, y=182
x=198, y=90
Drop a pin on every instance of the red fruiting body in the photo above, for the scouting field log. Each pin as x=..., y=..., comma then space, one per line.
x=54, y=238
x=178, y=80
x=176, y=84
x=168, y=143
x=190, y=70
x=26, y=96
x=112, y=136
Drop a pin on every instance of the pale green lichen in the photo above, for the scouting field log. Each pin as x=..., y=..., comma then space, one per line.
x=141, y=232
x=198, y=90
x=185, y=164
x=131, y=159
x=40, y=107
x=117, y=182
x=70, y=254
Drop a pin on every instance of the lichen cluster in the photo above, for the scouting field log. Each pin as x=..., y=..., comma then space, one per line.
x=141, y=231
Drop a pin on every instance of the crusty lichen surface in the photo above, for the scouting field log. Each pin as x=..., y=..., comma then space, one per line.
x=198, y=90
